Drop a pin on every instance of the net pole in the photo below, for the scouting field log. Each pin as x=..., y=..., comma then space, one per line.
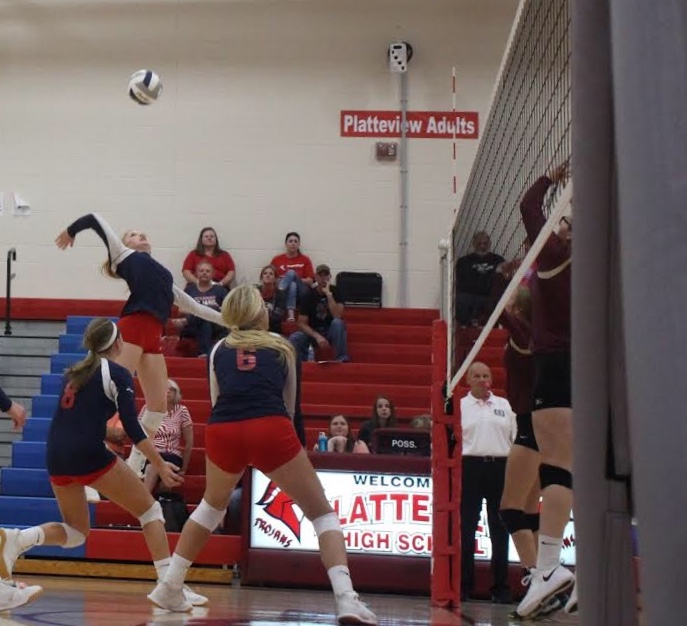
x=561, y=205
x=454, y=111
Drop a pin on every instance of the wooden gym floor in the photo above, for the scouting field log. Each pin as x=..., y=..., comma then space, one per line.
x=98, y=602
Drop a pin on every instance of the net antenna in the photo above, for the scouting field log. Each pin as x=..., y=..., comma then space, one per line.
x=561, y=208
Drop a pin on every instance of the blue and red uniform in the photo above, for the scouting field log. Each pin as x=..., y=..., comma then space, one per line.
x=76, y=451
x=253, y=395
x=153, y=292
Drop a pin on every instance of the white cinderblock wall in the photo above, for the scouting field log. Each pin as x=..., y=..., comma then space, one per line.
x=245, y=137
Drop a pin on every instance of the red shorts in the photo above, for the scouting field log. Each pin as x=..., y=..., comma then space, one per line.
x=143, y=330
x=265, y=443
x=82, y=479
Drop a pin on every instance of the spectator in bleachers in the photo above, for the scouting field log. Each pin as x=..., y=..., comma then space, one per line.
x=489, y=429
x=174, y=439
x=207, y=293
x=474, y=276
x=383, y=416
x=320, y=319
x=208, y=249
x=295, y=274
x=268, y=291
x=340, y=438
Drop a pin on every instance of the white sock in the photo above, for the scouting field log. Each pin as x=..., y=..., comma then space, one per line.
x=30, y=537
x=136, y=460
x=176, y=572
x=549, y=553
x=161, y=567
x=340, y=578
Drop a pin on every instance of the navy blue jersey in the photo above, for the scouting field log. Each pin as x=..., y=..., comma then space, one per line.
x=76, y=439
x=5, y=402
x=247, y=384
x=149, y=282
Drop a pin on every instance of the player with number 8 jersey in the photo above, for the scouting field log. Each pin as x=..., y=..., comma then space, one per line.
x=93, y=389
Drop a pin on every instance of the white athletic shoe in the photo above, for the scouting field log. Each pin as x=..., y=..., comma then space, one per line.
x=12, y=596
x=571, y=604
x=194, y=598
x=136, y=461
x=92, y=495
x=544, y=585
x=166, y=597
x=10, y=551
x=350, y=610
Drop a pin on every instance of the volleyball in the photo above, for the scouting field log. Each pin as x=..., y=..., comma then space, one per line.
x=145, y=87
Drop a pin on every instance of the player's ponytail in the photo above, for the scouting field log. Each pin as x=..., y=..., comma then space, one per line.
x=243, y=310
x=100, y=336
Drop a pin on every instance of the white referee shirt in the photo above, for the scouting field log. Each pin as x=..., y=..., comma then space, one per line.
x=489, y=426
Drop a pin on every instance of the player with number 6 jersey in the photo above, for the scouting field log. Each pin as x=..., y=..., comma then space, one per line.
x=93, y=390
x=253, y=388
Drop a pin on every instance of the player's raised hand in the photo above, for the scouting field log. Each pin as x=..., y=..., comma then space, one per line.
x=560, y=173
x=64, y=240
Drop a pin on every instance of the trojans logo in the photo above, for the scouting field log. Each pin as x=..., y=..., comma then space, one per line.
x=279, y=505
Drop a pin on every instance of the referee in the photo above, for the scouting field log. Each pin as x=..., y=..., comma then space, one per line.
x=489, y=429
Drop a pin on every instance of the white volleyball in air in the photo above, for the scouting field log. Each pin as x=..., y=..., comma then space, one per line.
x=145, y=87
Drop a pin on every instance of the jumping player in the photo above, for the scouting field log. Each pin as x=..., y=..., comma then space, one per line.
x=552, y=407
x=92, y=391
x=253, y=390
x=144, y=315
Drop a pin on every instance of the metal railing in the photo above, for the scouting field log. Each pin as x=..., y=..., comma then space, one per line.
x=11, y=256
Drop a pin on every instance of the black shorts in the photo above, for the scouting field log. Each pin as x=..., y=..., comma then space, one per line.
x=525, y=436
x=552, y=381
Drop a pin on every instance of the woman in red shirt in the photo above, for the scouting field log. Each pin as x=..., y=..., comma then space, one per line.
x=208, y=249
x=295, y=273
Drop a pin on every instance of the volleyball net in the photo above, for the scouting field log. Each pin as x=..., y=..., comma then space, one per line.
x=526, y=134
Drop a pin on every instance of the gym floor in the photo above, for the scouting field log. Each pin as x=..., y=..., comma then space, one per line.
x=99, y=602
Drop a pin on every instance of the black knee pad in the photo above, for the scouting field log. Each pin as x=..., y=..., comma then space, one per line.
x=532, y=521
x=513, y=520
x=552, y=475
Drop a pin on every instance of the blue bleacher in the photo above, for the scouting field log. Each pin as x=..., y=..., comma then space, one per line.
x=36, y=429
x=44, y=405
x=76, y=324
x=61, y=361
x=28, y=454
x=26, y=496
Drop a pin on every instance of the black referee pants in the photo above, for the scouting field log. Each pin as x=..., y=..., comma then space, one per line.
x=483, y=478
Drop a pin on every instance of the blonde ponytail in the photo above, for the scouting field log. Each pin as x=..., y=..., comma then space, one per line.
x=243, y=311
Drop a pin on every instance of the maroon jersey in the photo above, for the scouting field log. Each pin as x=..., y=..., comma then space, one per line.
x=550, y=285
x=519, y=363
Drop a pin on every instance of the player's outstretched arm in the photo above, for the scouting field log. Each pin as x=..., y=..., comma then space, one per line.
x=188, y=305
x=116, y=250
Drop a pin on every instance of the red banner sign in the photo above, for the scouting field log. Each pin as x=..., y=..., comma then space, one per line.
x=420, y=124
